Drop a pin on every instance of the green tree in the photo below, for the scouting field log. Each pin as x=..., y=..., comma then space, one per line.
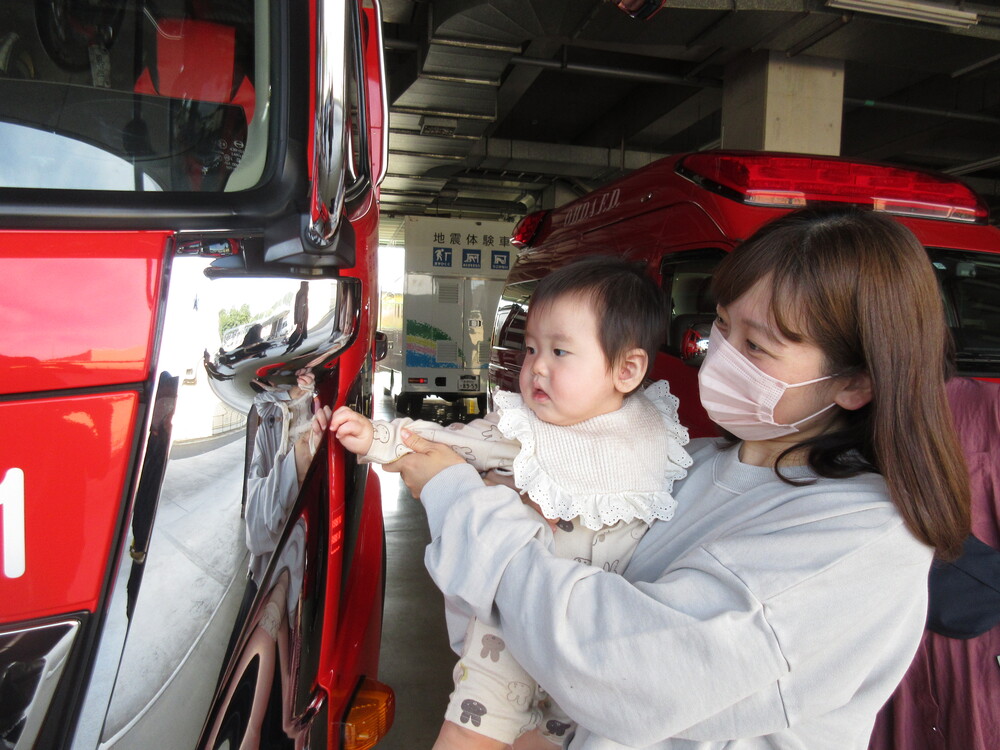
x=233, y=318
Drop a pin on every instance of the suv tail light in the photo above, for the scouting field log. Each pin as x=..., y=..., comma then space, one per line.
x=527, y=228
x=790, y=180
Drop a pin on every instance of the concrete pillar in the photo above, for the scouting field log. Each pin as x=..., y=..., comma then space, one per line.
x=775, y=103
x=555, y=195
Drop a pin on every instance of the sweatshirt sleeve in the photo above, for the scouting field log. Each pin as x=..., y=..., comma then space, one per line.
x=693, y=643
x=272, y=487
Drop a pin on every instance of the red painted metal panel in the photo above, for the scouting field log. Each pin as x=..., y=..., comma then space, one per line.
x=73, y=454
x=77, y=308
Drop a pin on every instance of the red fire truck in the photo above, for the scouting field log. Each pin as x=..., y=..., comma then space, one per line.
x=681, y=215
x=188, y=227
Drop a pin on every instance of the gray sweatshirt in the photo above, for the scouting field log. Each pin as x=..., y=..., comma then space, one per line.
x=761, y=616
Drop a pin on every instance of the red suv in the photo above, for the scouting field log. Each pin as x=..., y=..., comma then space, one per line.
x=681, y=215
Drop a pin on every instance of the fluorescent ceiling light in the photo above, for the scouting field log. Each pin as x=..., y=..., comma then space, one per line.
x=443, y=126
x=912, y=10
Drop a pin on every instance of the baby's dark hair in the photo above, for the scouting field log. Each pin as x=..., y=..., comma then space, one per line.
x=630, y=308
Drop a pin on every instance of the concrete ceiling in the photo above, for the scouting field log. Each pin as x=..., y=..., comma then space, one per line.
x=500, y=106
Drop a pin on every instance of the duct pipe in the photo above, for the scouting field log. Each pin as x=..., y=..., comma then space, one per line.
x=619, y=73
x=951, y=114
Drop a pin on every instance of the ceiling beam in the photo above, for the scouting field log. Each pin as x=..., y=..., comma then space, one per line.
x=556, y=159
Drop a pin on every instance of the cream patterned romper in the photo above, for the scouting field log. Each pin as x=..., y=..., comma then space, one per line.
x=603, y=481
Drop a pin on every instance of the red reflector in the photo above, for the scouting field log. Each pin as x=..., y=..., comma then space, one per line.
x=418, y=381
x=527, y=228
x=787, y=180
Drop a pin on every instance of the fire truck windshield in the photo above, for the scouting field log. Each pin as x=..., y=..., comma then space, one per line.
x=41, y=159
x=115, y=96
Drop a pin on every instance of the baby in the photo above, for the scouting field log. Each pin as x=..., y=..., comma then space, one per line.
x=593, y=454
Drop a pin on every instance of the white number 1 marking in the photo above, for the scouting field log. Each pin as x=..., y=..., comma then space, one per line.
x=12, y=508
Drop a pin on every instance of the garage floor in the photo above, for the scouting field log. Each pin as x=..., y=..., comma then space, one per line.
x=416, y=660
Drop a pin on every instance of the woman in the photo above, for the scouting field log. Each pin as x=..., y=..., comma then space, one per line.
x=785, y=599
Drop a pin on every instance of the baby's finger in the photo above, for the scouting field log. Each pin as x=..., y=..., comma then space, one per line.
x=322, y=418
x=342, y=416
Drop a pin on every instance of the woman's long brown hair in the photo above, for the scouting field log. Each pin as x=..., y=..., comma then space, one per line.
x=861, y=287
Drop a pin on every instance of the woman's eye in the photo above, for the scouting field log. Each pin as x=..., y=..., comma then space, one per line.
x=753, y=347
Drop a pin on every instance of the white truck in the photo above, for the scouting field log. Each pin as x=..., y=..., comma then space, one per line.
x=440, y=323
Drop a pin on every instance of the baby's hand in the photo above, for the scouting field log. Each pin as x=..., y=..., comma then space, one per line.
x=353, y=430
x=306, y=379
x=494, y=477
x=552, y=522
x=305, y=382
x=305, y=446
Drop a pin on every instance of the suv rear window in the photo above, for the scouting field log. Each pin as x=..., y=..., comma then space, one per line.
x=118, y=96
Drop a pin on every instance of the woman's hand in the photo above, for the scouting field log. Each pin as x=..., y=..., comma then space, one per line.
x=426, y=461
x=305, y=446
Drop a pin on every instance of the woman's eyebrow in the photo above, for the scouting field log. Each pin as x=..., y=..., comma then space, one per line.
x=765, y=329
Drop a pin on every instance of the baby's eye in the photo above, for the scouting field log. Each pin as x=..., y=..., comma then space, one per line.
x=559, y=352
x=529, y=350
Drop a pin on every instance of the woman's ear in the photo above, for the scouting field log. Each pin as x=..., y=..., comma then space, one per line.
x=855, y=393
x=630, y=370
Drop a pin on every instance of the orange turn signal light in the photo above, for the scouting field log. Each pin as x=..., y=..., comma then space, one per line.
x=370, y=716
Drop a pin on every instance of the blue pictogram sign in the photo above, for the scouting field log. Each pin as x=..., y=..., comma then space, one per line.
x=472, y=258
x=442, y=257
x=500, y=260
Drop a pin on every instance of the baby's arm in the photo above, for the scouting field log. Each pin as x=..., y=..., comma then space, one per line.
x=479, y=442
x=376, y=441
x=354, y=431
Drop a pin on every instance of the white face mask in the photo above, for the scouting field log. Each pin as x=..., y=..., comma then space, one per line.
x=740, y=397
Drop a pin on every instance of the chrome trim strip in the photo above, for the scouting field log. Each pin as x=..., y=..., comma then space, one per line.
x=330, y=128
x=384, y=98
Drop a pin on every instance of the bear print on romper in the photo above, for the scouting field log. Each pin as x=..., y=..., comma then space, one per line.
x=473, y=711
x=492, y=646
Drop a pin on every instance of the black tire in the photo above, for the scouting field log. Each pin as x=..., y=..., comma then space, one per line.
x=409, y=404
